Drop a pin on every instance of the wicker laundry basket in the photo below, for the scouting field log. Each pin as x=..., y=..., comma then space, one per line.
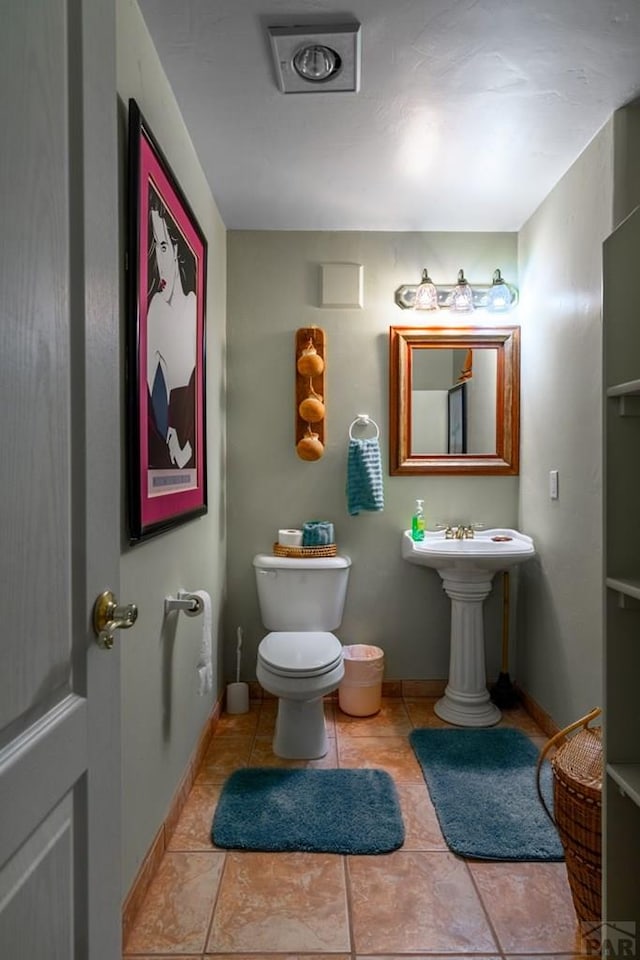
x=577, y=802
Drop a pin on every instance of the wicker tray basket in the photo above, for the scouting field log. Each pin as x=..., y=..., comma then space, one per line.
x=305, y=553
x=577, y=802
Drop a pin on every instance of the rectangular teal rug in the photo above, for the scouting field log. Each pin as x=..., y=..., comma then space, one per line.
x=483, y=786
x=320, y=811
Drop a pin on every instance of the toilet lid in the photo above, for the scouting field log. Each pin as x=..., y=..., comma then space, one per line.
x=292, y=653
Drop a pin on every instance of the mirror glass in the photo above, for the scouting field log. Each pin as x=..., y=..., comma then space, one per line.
x=447, y=382
x=454, y=400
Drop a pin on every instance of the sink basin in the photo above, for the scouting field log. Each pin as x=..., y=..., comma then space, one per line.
x=483, y=552
x=466, y=568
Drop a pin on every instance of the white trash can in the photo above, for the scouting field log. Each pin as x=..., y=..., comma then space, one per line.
x=360, y=692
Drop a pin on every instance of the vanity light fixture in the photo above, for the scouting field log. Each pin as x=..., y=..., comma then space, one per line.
x=318, y=58
x=496, y=297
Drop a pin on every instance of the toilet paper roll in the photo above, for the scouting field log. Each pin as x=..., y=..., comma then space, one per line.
x=204, y=665
x=290, y=538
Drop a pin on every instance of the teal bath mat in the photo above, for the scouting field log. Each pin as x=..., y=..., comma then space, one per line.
x=321, y=811
x=483, y=787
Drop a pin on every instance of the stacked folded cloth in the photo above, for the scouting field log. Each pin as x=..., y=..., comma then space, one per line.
x=364, y=476
x=317, y=533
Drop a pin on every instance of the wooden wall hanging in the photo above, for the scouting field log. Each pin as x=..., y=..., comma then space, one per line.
x=310, y=404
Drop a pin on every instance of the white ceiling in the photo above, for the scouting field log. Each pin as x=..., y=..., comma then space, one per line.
x=469, y=111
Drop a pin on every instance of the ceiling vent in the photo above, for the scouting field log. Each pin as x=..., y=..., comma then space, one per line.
x=317, y=59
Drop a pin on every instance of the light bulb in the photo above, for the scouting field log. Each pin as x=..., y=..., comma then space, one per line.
x=316, y=63
x=426, y=294
x=461, y=297
x=499, y=296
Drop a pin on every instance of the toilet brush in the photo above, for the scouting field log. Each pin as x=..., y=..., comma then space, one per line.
x=238, y=693
x=503, y=693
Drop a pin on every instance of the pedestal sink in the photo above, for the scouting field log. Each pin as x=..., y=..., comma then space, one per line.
x=466, y=568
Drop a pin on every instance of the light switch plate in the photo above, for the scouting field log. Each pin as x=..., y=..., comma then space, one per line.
x=553, y=485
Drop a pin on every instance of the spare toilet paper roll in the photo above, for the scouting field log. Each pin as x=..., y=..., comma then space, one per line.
x=290, y=538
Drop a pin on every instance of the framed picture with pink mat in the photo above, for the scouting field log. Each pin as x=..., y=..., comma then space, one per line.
x=166, y=284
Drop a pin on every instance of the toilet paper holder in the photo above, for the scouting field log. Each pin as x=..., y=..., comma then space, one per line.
x=187, y=602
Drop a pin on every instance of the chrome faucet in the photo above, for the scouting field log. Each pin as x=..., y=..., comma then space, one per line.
x=458, y=531
x=462, y=532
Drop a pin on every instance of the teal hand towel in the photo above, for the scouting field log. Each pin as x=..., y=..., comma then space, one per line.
x=364, y=476
x=317, y=533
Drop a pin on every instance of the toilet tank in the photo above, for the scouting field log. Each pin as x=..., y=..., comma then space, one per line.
x=301, y=594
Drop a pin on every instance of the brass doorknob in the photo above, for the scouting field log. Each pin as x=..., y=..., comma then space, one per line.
x=109, y=616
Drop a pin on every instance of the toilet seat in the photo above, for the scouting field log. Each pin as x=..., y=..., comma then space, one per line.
x=300, y=654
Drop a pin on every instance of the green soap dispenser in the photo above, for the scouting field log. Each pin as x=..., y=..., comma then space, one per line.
x=417, y=521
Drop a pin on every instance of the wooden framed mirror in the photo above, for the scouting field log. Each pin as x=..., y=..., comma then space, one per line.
x=454, y=400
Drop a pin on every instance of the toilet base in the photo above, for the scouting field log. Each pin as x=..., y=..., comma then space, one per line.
x=301, y=733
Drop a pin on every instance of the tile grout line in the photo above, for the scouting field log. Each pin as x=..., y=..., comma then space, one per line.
x=349, y=904
x=214, y=906
x=209, y=927
x=485, y=909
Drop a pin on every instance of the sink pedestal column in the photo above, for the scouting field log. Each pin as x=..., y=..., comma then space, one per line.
x=466, y=701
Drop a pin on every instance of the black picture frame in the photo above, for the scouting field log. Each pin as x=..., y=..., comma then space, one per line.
x=166, y=323
x=457, y=419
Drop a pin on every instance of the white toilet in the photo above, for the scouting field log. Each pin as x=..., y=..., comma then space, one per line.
x=300, y=661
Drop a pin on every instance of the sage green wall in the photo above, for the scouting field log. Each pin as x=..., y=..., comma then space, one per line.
x=273, y=289
x=162, y=714
x=559, y=659
x=560, y=264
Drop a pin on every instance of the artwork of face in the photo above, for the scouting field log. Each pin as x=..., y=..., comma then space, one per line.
x=166, y=255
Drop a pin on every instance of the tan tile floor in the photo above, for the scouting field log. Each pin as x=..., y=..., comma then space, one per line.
x=421, y=901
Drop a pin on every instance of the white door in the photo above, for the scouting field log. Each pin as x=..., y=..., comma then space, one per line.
x=60, y=526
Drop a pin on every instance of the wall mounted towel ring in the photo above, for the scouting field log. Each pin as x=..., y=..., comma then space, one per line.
x=363, y=419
